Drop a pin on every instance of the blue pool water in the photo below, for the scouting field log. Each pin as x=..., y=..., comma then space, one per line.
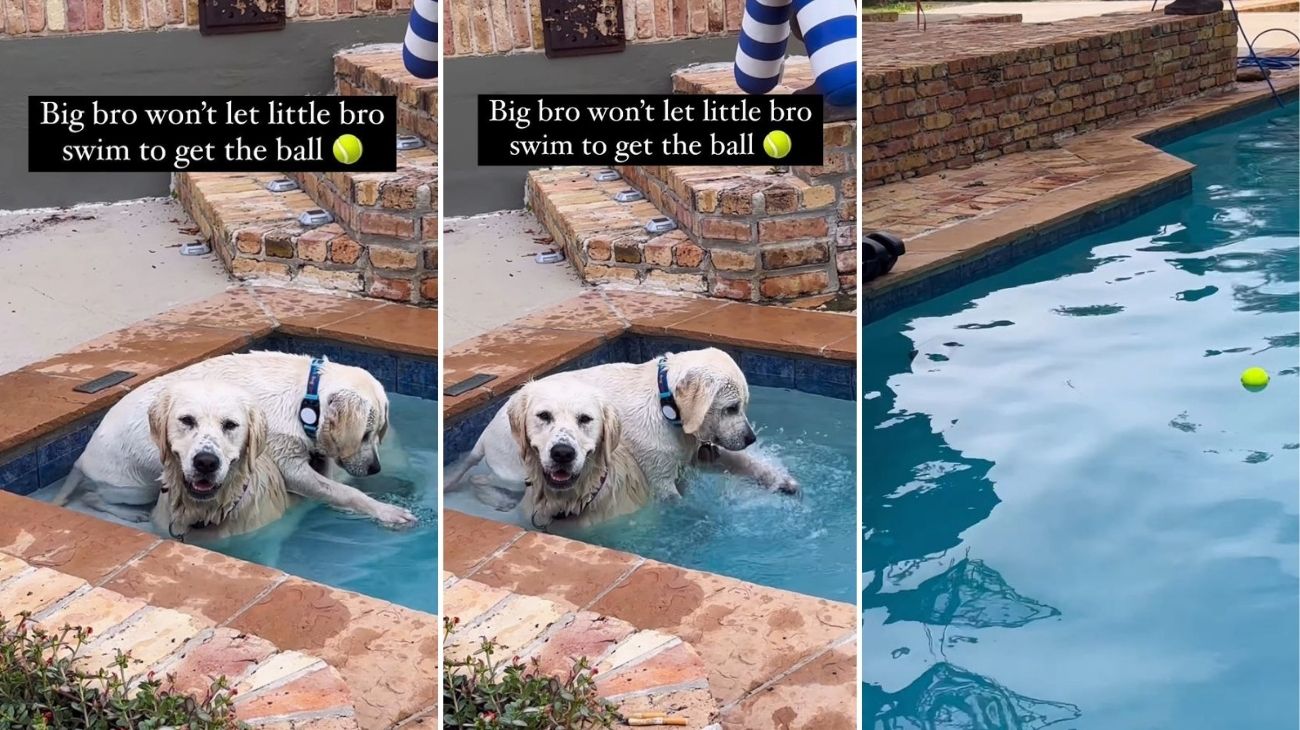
x=352, y=552
x=347, y=551
x=1074, y=514
x=728, y=525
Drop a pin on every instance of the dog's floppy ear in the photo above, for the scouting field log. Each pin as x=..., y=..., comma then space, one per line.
x=159, y=415
x=611, y=432
x=255, y=443
x=694, y=394
x=517, y=412
x=344, y=423
x=382, y=430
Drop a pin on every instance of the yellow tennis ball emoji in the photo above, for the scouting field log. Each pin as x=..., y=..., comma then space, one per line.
x=347, y=149
x=776, y=144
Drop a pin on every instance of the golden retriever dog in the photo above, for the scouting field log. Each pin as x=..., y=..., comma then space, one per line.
x=570, y=442
x=677, y=411
x=123, y=466
x=218, y=478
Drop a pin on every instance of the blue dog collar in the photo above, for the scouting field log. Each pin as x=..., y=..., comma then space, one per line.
x=667, y=403
x=309, y=411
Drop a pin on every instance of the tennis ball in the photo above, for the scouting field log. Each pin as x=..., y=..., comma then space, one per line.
x=776, y=144
x=347, y=149
x=1254, y=379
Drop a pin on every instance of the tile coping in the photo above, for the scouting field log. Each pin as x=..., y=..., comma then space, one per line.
x=192, y=597
x=578, y=326
x=1130, y=166
x=38, y=399
x=756, y=642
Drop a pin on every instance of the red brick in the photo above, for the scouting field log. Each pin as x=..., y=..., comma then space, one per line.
x=794, y=285
x=791, y=229
x=398, y=290
x=740, y=289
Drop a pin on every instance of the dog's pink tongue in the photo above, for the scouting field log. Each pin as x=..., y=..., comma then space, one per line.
x=202, y=485
x=561, y=475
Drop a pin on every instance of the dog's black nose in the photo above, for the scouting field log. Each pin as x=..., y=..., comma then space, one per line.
x=206, y=463
x=373, y=469
x=750, y=438
x=563, y=453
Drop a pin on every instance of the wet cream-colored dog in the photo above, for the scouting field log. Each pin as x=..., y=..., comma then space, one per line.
x=677, y=411
x=218, y=478
x=123, y=464
x=576, y=467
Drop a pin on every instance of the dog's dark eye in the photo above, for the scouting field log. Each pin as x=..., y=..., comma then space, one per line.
x=229, y=425
x=731, y=410
x=365, y=436
x=584, y=419
x=544, y=416
x=188, y=421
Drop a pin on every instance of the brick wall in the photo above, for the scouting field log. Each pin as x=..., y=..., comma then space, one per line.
x=487, y=27
x=57, y=17
x=1009, y=88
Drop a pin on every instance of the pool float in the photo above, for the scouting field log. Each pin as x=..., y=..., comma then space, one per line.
x=420, y=48
x=828, y=29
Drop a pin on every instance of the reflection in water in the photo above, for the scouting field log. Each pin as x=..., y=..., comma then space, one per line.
x=947, y=697
x=1077, y=422
x=969, y=594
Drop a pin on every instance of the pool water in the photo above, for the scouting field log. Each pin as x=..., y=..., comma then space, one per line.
x=347, y=551
x=728, y=525
x=1074, y=514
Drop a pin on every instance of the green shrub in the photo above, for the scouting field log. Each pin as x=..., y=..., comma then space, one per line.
x=486, y=693
x=41, y=690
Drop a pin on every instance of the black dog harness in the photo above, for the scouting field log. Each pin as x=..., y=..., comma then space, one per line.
x=667, y=403
x=309, y=410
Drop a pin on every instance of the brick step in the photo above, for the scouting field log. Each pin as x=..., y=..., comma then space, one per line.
x=377, y=70
x=737, y=248
x=257, y=236
x=396, y=208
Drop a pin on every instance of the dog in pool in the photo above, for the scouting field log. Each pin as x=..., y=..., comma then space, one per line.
x=674, y=412
x=317, y=413
x=576, y=467
x=218, y=477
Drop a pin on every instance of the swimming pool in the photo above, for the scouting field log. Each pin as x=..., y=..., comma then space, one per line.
x=1074, y=514
x=728, y=525
x=348, y=551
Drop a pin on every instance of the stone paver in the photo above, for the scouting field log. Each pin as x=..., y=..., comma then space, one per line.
x=37, y=590
x=818, y=696
x=637, y=670
x=364, y=639
x=654, y=631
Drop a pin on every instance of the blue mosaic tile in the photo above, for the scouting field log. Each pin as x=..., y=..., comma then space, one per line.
x=417, y=377
x=382, y=365
x=459, y=437
x=19, y=475
x=821, y=377
x=55, y=457
x=769, y=371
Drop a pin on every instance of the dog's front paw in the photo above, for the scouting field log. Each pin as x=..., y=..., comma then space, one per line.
x=390, y=515
x=786, y=484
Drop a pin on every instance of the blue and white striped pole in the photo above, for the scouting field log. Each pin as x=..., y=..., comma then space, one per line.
x=760, y=55
x=830, y=30
x=420, y=49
